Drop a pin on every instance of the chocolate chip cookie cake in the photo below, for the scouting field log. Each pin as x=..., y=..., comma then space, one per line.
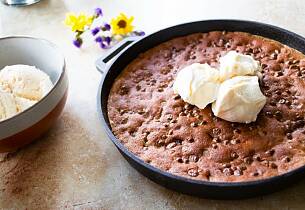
x=157, y=125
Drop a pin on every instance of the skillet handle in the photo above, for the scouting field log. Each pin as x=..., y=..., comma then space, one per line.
x=114, y=52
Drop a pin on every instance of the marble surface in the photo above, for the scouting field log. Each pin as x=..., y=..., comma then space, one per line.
x=74, y=165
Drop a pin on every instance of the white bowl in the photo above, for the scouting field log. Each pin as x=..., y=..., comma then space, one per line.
x=30, y=124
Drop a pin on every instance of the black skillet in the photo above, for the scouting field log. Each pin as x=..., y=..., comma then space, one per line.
x=112, y=65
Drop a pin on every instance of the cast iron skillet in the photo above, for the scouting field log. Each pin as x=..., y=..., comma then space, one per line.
x=112, y=65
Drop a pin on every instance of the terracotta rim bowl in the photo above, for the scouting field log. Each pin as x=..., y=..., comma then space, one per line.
x=30, y=124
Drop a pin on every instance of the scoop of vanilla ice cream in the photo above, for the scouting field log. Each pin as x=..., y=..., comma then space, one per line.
x=8, y=107
x=197, y=84
x=239, y=99
x=25, y=81
x=236, y=64
x=23, y=103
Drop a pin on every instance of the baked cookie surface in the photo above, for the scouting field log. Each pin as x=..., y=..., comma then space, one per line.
x=163, y=130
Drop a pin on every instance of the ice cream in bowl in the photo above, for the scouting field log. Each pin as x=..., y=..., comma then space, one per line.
x=33, y=89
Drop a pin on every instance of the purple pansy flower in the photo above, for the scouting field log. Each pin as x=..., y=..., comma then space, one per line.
x=107, y=27
x=95, y=31
x=141, y=33
x=78, y=42
x=108, y=40
x=98, y=12
x=99, y=39
x=102, y=45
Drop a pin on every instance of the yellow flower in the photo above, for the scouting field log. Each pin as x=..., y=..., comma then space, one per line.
x=78, y=23
x=122, y=25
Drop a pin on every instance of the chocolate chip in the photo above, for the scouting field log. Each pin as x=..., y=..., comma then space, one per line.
x=238, y=173
x=264, y=66
x=286, y=159
x=236, y=131
x=241, y=167
x=123, y=90
x=254, y=173
x=141, y=111
x=221, y=43
x=195, y=110
x=194, y=124
x=299, y=74
x=299, y=117
x=273, y=165
x=122, y=111
x=279, y=74
x=193, y=172
x=216, y=140
x=216, y=131
x=248, y=160
x=196, y=115
x=166, y=125
x=178, y=141
x=191, y=140
x=226, y=142
x=203, y=122
x=272, y=103
x=227, y=45
x=268, y=114
x=273, y=56
x=170, y=117
x=176, y=97
x=173, y=121
x=226, y=165
x=289, y=136
x=235, y=141
x=187, y=106
x=207, y=173
x=185, y=160
x=299, y=123
x=270, y=152
x=193, y=57
x=228, y=171
x=257, y=157
x=234, y=155
x=160, y=143
x=171, y=145
x=138, y=87
x=182, y=114
x=214, y=146
x=234, y=125
x=265, y=163
x=165, y=70
x=179, y=160
x=288, y=103
x=193, y=158
x=282, y=101
x=278, y=115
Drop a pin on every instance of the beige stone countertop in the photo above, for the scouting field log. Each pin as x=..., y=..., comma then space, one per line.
x=75, y=165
